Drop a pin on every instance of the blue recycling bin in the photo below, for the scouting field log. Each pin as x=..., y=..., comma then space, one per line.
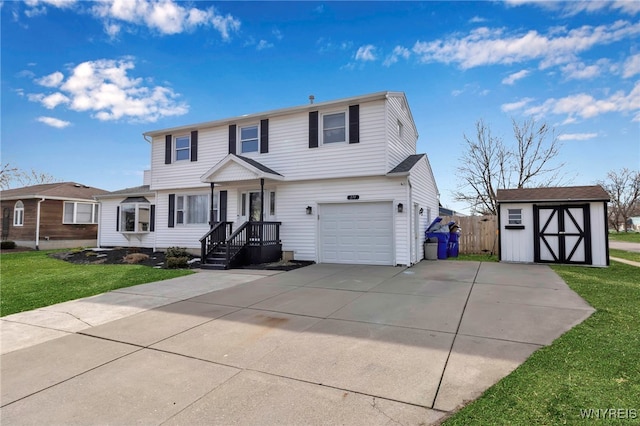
x=443, y=242
x=453, y=248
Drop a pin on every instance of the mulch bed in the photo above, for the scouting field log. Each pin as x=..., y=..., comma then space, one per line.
x=156, y=259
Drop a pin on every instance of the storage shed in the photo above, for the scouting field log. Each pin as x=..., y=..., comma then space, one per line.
x=554, y=225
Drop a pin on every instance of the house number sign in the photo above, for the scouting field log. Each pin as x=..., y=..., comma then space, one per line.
x=353, y=197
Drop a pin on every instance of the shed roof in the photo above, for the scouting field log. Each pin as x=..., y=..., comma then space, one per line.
x=564, y=193
x=58, y=190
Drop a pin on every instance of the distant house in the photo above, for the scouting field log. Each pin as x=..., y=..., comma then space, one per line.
x=633, y=224
x=53, y=215
x=330, y=182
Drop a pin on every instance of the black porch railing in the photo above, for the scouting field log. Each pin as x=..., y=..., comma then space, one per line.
x=213, y=239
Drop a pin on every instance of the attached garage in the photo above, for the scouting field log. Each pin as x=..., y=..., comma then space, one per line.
x=357, y=233
x=565, y=225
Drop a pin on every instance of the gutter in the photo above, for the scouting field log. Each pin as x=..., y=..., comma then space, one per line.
x=38, y=223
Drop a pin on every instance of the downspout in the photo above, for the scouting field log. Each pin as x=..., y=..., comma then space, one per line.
x=38, y=224
x=410, y=220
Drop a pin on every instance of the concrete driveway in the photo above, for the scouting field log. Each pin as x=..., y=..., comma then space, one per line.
x=325, y=344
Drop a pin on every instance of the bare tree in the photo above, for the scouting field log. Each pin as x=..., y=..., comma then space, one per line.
x=623, y=187
x=488, y=164
x=11, y=177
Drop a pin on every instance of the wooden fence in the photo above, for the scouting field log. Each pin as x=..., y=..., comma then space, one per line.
x=478, y=234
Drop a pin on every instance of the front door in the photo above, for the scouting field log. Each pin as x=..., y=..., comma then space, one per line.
x=562, y=234
x=250, y=206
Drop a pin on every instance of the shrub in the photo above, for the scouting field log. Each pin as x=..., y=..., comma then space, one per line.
x=177, y=262
x=176, y=252
x=134, y=258
x=7, y=245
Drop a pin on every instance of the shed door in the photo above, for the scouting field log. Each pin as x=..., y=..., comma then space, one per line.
x=562, y=234
x=360, y=233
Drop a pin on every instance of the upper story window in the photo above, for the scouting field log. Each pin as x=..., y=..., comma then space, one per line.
x=334, y=127
x=515, y=216
x=192, y=209
x=183, y=148
x=400, y=129
x=80, y=213
x=18, y=214
x=249, y=139
x=135, y=216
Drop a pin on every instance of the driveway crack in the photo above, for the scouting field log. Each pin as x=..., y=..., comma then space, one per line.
x=377, y=408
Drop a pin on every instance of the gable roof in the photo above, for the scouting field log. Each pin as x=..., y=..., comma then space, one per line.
x=254, y=169
x=564, y=193
x=406, y=165
x=57, y=191
x=141, y=190
x=277, y=112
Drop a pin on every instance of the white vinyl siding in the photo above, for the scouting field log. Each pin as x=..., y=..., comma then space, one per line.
x=517, y=244
x=289, y=153
x=401, y=143
x=425, y=194
x=108, y=236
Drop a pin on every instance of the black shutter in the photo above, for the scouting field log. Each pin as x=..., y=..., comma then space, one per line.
x=264, y=136
x=167, y=149
x=232, y=139
x=354, y=123
x=172, y=210
x=118, y=219
x=194, y=145
x=223, y=206
x=313, y=129
x=152, y=218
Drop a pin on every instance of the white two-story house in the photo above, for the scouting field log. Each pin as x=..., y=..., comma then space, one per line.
x=330, y=182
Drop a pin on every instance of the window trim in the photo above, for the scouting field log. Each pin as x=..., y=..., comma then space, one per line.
x=400, y=129
x=187, y=148
x=137, y=205
x=514, y=216
x=94, y=213
x=18, y=212
x=321, y=129
x=185, y=208
x=240, y=140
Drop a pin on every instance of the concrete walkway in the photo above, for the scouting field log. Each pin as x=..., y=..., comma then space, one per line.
x=624, y=245
x=326, y=344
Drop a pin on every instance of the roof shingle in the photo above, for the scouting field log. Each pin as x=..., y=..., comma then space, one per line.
x=564, y=193
x=70, y=190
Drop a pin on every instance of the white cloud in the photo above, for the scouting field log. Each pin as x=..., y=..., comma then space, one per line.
x=366, y=53
x=486, y=46
x=165, y=16
x=398, y=52
x=581, y=71
x=105, y=88
x=514, y=106
x=571, y=8
x=512, y=78
x=51, y=80
x=631, y=66
x=477, y=20
x=585, y=106
x=263, y=44
x=577, y=136
x=54, y=122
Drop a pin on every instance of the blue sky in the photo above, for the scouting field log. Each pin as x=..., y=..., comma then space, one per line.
x=81, y=81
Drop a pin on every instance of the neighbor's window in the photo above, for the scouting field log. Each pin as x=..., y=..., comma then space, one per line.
x=334, y=128
x=80, y=213
x=249, y=139
x=183, y=145
x=135, y=217
x=18, y=214
x=192, y=209
x=515, y=216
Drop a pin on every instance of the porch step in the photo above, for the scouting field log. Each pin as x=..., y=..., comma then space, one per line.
x=215, y=266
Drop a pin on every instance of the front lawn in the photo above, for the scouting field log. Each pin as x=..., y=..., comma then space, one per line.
x=629, y=237
x=623, y=254
x=594, y=366
x=32, y=280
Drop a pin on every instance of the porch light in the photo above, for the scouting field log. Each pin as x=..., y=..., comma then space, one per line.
x=400, y=207
x=421, y=211
x=309, y=210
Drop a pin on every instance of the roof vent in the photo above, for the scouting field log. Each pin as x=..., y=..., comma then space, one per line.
x=311, y=98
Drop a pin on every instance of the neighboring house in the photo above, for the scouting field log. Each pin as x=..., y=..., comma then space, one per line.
x=633, y=224
x=53, y=215
x=554, y=225
x=330, y=182
x=443, y=211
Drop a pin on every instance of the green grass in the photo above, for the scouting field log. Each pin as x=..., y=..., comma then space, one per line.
x=594, y=365
x=630, y=237
x=32, y=280
x=629, y=255
x=476, y=257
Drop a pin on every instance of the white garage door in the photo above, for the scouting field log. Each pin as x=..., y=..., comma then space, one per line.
x=360, y=233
